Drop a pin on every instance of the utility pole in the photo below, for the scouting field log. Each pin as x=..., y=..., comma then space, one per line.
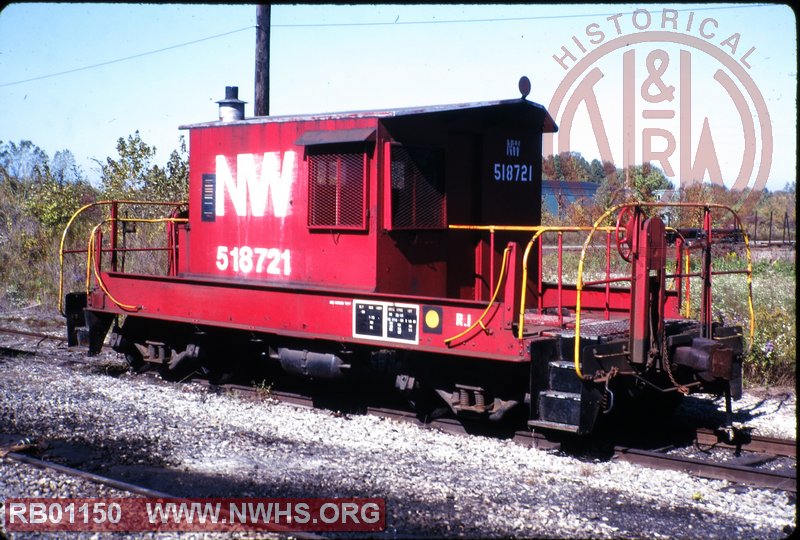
x=262, y=60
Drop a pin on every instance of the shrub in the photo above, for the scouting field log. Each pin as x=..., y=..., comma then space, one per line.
x=771, y=358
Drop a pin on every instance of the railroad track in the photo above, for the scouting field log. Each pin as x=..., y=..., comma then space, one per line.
x=748, y=469
x=16, y=351
x=42, y=336
x=14, y=453
x=763, y=445
x=746, y=472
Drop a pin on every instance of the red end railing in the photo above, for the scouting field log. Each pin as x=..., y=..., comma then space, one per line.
x=94, y=249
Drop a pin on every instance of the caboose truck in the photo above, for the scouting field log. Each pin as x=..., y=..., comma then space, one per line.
x=405, y=244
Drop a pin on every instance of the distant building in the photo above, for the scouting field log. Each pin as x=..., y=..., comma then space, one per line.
x=568, y=192
x=667, y=195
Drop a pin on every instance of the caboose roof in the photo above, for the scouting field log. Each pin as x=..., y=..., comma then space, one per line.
x=484, y=111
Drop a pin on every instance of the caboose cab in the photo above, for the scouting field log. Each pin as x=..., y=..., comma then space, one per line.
x=362, y=201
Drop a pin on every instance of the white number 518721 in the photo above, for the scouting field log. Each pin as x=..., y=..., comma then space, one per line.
x=246, y=260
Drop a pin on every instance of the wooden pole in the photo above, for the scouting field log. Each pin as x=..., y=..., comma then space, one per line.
x=786, y=226
x=262, y=60
x=755, y=228
x=769, y=241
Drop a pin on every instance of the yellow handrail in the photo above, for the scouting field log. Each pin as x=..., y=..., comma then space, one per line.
x=539, y=232
x=610, y=211
x=749, y=289
x=687, y=312
x=96, y=266
x=69, y=224
x=479, y=320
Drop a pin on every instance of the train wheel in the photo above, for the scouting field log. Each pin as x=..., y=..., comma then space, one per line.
x=135, y=362
x=180, y=365
x=427, y=405
x=222, y=377
x=173, y=375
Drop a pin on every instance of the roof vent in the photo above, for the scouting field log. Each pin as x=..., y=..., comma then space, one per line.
x=231, y=108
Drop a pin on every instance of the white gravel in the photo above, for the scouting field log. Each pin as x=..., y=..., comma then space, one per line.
x=435, y=484
x=769, y=412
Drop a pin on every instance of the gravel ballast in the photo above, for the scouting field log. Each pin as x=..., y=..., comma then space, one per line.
x=204, y=444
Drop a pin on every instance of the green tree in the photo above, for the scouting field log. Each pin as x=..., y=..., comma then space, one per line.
x=611, y=192
x=134, y=175
x=124, y=177
x=49, y=191
x=597, y=172
x=567, y=167
x=644, y=180
x=64, y=169
x=22, y=161
x=22, y=167
x=54, y=202
x=26, y=244
x=173, y=184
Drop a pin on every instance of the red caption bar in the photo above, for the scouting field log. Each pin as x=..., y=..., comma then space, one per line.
x=194, y=515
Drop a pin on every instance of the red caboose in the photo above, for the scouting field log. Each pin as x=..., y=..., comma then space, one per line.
x=406, y=244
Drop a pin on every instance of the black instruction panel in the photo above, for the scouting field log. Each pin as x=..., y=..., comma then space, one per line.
x=368, y=319
x=386, y=321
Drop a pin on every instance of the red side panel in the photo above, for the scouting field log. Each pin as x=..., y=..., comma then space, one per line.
x=249, y=209
x=434, y=325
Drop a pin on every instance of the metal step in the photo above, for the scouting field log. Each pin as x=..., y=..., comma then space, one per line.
x=544, y=424
x=562, y=378
x=560, y=407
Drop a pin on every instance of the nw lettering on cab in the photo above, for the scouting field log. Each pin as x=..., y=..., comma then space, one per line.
x=259, y=179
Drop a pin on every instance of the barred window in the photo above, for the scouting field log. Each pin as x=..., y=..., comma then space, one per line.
x=418, y=195
x=336, y=188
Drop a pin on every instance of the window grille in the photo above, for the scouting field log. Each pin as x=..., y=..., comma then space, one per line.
x=336, y=189
x=418, y=195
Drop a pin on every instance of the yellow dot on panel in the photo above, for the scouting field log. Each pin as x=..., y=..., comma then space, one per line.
x=431, y=318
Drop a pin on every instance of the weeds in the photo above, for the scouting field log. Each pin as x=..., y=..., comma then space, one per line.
x=771, y=357
x=263, y=389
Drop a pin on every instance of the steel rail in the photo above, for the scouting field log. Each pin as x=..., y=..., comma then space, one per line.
x=756, y=443
x=27, y=333
x=448, y=425
x=130, y=488
x=13, y=351
x=783, y=480
x=92, y=477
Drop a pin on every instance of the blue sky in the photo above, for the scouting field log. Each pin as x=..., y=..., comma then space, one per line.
x=336, y=58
